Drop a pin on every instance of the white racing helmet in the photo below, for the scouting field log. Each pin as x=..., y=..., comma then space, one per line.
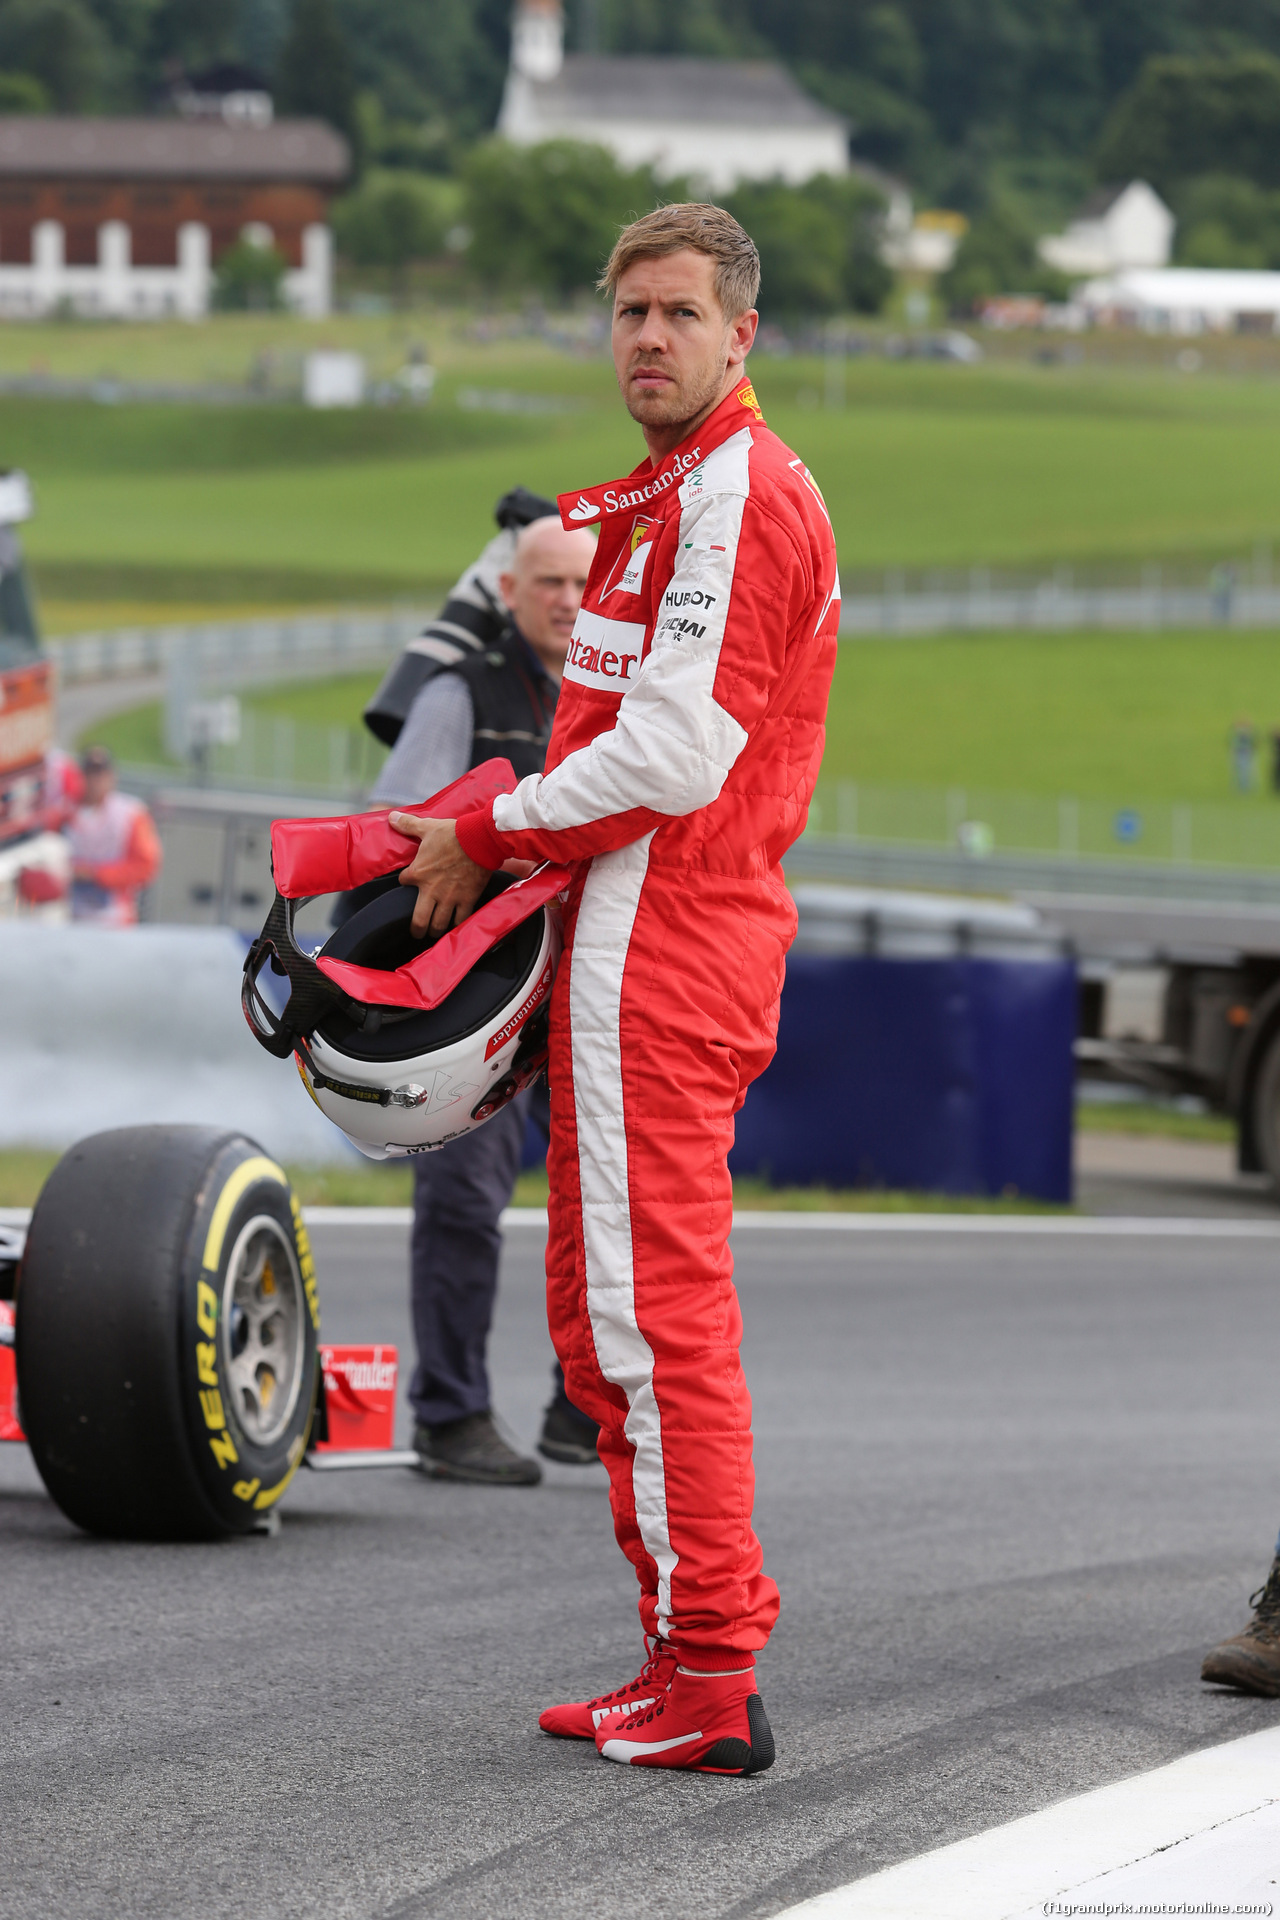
x=406, y=1043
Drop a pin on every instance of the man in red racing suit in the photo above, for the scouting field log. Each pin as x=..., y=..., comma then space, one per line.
x=686, y=745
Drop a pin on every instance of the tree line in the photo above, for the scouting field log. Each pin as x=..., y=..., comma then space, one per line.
x=1008, y=110
x=963, y=97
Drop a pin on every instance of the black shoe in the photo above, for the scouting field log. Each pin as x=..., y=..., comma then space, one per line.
x=568, y=1436
x=472, y=1449
x=1251, y=1660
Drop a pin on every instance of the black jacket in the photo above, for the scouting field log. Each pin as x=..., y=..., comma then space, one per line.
x=514, y=699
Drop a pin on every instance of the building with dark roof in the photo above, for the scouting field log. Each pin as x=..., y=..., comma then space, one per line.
x=713, y=121
x=130, y=217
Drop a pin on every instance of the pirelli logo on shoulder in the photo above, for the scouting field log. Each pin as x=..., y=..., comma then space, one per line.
x=605, y=654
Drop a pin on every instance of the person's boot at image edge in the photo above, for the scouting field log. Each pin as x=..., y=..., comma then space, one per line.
x=472, y=1449
x=1250, y=1659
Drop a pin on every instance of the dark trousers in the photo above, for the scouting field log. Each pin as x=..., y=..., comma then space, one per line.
x=458, y=1195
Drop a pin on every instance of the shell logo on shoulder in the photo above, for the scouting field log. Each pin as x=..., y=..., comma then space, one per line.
x=747, y=398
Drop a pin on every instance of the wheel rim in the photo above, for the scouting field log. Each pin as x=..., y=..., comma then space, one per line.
x=263, y=1330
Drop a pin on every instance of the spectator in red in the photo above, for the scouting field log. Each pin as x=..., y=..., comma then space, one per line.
x=115, y=850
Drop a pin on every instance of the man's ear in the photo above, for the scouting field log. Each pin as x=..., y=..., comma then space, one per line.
x=742, y=336
x=506, y=587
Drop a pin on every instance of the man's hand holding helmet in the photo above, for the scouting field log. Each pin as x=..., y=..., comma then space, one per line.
x=449, y=882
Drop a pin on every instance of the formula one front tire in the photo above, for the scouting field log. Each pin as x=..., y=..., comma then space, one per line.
x=167, y=1323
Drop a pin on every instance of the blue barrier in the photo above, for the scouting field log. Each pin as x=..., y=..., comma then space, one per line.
x=950, y=1075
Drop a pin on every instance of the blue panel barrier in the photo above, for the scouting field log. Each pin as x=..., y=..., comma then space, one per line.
x=949, y=1075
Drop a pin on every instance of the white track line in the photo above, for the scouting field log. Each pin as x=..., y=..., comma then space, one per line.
x=1050, y=1225
x=1042, y=1225
x=358, y=1216
x=1201, y=1835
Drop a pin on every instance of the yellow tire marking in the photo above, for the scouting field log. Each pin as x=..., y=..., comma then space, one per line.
x=257, y=1167
x=211, y=1407
x=306, y=1264
x=270, y=1495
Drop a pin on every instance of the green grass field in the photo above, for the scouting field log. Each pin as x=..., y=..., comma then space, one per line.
x=925, y=464
x=1116, y=715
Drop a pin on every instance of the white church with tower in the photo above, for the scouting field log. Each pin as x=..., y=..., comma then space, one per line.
x=714, y=122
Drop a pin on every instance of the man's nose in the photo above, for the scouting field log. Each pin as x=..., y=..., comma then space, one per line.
x=652, y=337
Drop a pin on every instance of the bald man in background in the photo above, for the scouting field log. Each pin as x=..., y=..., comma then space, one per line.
x=497, y=703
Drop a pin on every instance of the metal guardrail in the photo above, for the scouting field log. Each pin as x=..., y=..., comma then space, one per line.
x=868, y=864
x=1051, y=606
x=236, y=651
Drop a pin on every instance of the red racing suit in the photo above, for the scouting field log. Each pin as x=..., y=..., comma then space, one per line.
x=686, y=744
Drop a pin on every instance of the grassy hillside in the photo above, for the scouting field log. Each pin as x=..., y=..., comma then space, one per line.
x=905, y=486
x=925, y=465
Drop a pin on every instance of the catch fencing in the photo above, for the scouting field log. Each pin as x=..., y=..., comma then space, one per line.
x=977, y=823
x=275, y=754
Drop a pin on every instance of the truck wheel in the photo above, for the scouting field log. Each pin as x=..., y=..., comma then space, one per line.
x=1266, y=1109
x=167, y=1319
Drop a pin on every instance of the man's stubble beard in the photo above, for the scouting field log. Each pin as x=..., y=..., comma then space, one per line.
x=683, y=406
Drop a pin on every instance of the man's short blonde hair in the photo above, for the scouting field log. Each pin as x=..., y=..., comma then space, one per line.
x=705, y=229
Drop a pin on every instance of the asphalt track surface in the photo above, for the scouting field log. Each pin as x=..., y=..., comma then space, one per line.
x=1011, y=1484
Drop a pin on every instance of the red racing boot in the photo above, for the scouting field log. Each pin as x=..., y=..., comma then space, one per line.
x=706, y=1722
x=580, y=1719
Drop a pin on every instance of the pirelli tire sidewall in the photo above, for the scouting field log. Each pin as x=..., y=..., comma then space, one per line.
x=243, y=1476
